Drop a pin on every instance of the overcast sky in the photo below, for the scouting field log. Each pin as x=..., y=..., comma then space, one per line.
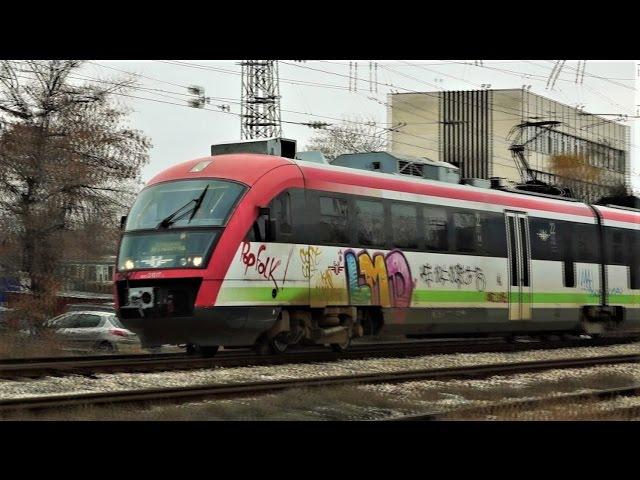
x=321, y=88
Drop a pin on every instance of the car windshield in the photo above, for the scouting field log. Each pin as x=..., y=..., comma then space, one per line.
x=156, y=203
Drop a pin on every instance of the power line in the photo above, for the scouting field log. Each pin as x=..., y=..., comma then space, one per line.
x=334, y=73
x=225, y=99
x=307, y=123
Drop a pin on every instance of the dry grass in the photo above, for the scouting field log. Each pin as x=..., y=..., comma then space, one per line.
x=15, y=345
x=45, y=344
x=506, y=391
x=567, y=410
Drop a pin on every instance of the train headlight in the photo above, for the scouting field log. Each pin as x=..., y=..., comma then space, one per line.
x=197, y=261
x=128, y=265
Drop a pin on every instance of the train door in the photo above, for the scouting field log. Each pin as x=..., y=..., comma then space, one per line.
x=519, y=252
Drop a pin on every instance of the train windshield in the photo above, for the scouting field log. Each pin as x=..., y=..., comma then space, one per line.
x=158, y=202
x=166, y=249
x=150, y=241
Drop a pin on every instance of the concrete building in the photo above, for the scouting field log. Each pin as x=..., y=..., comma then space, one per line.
x=474, y=129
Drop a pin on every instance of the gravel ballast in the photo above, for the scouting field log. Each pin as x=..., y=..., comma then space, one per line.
x=129, y=381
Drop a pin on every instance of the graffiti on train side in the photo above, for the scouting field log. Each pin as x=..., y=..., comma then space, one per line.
x=458, y=274
x=267, y=266
x=337, y=266
x=326, y=288
x=383, y=280
x=586, y=284
x=310, y=258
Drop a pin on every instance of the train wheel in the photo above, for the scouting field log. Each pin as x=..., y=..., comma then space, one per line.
x=205, y=351
x=278, y=344
x=341, y=347
x=209, y=351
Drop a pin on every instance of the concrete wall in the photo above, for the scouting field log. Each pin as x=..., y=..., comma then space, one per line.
x=420, y=113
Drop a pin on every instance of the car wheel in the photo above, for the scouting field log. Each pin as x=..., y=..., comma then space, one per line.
x=106, y=347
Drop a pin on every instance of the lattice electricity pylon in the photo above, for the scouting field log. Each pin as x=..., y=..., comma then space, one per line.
x=555, y=73
x=580, y=68
x=260, y=100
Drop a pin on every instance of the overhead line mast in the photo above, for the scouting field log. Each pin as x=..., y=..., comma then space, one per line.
x=260, y=100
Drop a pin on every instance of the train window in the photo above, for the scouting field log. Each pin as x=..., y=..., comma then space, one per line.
x=568, y=255
x=495, y=240
x=333, y=220
x=468, y=231
x=404, y=225
x=435, y=222
x=616, y=246
x=586, y=241
x=282, y=212
x=370, y=222
x=545, y=238
x=634, y=267
x=257, y=231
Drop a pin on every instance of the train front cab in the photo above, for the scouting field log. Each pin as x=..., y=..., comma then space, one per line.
x=169, y=275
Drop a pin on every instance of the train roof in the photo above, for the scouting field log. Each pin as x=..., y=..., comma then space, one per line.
x=247, y=168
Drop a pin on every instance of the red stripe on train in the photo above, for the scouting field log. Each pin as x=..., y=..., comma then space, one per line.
x=347, y=183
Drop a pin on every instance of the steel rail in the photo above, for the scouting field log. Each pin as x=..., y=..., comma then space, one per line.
x=243, y=389
x=34, y=368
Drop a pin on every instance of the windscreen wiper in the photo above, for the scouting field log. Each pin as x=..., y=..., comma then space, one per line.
x=199, y=200
x=174, y=217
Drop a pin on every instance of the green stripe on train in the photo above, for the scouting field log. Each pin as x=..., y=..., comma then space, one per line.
x=301, y=295
x=263, y=294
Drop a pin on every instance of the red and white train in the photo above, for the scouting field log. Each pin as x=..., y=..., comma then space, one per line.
x=247, y=248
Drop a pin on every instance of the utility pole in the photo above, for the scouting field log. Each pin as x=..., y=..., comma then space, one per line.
x=260, y=100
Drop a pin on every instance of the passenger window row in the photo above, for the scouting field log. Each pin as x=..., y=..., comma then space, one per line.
x=369, y=222
x=327, y=218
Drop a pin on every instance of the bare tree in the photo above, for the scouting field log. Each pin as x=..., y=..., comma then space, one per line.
x=575, y=166
x=351, y=136
x=67, y=160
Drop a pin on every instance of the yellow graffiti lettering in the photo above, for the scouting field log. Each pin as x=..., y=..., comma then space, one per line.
x=325, y=279
x=309, y=257
x=374, y=273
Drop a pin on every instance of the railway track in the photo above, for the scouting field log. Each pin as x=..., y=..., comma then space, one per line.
x=531, y=404
x=235, y=390
x=89, y=365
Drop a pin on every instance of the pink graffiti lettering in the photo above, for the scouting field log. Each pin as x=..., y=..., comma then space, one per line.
x=400, y=278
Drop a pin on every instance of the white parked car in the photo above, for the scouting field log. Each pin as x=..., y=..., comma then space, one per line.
x=92, y=329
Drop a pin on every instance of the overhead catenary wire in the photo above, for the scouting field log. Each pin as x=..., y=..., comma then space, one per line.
x=335, y=73
x=205, y=67
x=307, y=123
